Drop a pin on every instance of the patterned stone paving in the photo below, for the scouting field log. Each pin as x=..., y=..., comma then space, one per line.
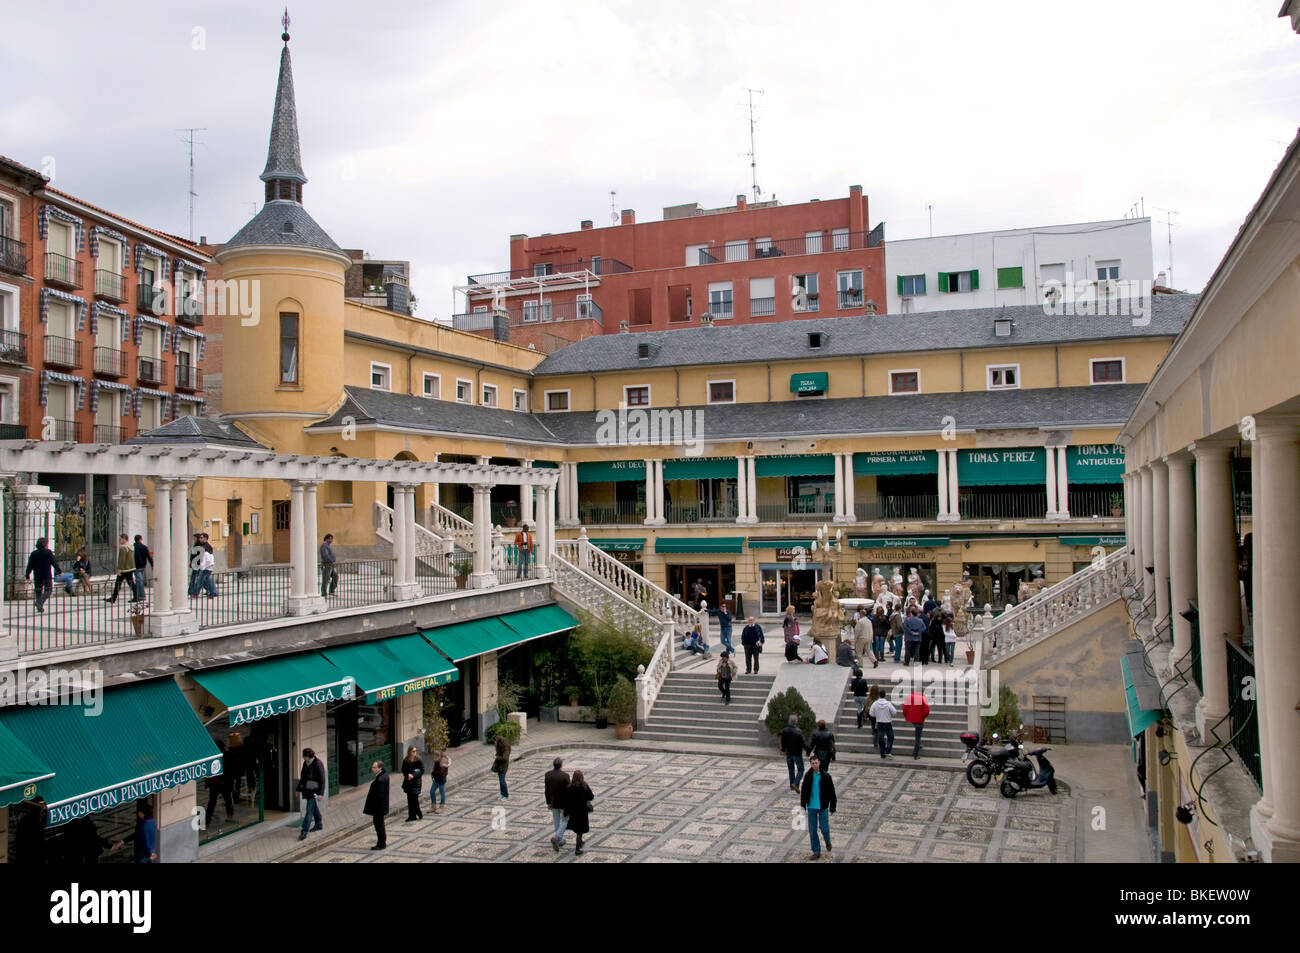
x=663, y=807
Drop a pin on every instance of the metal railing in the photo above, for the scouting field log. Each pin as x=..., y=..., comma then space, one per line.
x=110, y=362
x=1094, y=503
x=850, y=299
x=361, y=582
x=13, y=347
x=923, y=506
x=188, y=377
x=722, y=309
x=242, y=595
x=151, y=300
x=62, y=352
x=13, y=255
x=701, y=512
x=1243, y=721
x=190, y=311
x=612, y=513
x=150, y=370
x=1007, y=505
x=797, y=508
x=816, y=244
x=549, y=312
x=108, y=433
x=62, y=269
x=109, y=284
x=759, y=307
x=65, y=620
x=599, y=266
x=53, y=429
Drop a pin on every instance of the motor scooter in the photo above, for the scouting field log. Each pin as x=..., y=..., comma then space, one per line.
x=987, y=761
x=1021, y=776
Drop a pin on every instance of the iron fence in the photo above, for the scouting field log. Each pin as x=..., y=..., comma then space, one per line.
x=62, y=269
x=1242, y=714
x=13, y=255
x=1021, y=504
x=360, y=582
x=923, y=506
x=1096, y=502
x=238, y=596
x=613, y=512
x=726, y=511
x=13, y=347
x=109, y=284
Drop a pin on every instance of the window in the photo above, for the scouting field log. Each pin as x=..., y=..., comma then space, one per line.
x=380, y=376
x=763, y=248
x=807, y=284
x=532, y=309
x=6, y=218
x=432, y=386
x=464, y=391
x=1053, y=272
x=1108, y=370
x=910, y=286
x=521, y=401
x=697, y=255
x=108, y=256
x=1004, y=376
x=738, y=251
x=1108, y=269
x=1011, y=277
x=557, y=400
x=150, y=413
x=722, y=392
x=905, y=382
x=545, y=268
x=953, y=281
x=288, y=348
x=812, y=243
x=816, y=339
x=839, y=239
x=636, y=396
x=489, y=395
x=9, y=400
x=720, y=299
x=850, y=287
x=762, y=296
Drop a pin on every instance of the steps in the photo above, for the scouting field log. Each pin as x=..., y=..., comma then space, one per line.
x=689, y=708
x=939, y=739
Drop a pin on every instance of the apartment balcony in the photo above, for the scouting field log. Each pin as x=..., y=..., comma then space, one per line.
x=13, y=431
x=61, y=430
x=62, y=270
x=190, y=311
x=188, y=377
x=531, y=312
x=110, y=362
x=13, y=347
x=797, y=508
x=850, y=299
x=597, y=266
x=109, y=285
x=62, y=352
x=761, y=307
x=107, y=433
x=13, y=255
x=721, y=310
x=910, y=507
x=150, y=300
x=1004, y=505
x=612, y=513
x=1096, y=503
x=149, y=370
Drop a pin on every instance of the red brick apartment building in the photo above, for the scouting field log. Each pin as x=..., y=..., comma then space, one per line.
x=740, y=264
x=100, y=318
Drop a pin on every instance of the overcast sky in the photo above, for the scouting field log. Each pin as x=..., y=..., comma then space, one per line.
x=434, y=131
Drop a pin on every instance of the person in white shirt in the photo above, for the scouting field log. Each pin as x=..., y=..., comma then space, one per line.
x=949, y=637
x=819, y=654
x=883, y=711
x=207, y=562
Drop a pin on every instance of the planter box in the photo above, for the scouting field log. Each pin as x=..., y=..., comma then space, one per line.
x=548, y=716
x=569, y=713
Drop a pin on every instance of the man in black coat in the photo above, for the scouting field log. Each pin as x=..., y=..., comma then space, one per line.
x=555, y=781
x=311, y=785
x=793, y=746
x=377, y=803
x=142, y=558
x=42, y=568
x=751, y=637
x=822, y=745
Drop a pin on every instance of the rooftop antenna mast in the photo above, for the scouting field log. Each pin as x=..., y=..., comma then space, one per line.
x=190, y=131
x=753, y=157
x=613, y=208
x=1169, y=234
x=930, y=208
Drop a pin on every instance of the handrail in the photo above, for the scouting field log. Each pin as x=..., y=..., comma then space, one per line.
x=427, y=543
x=452, y=526
x=631, y=585
x=650, y=678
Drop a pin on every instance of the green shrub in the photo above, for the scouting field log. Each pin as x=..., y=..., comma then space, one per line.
x=435, y=726
x=1007, y=717
x=510, y=696
x=601, y=650
x=510, y=729
x=785, y=704
x=622, y=702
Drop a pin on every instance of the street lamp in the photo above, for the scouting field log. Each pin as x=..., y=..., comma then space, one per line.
x=825, y=544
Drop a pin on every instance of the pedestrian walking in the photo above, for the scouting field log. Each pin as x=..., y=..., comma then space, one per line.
x=949, y=638
x=501, y=764
x=311, y=785
x=822, y=744
x=862, y=630
x=872, y=697
x=196, y=559
x=725, y=672
x=914, y=629
x=377, y=803
x=859, y=686
x=143, y=558
x=915, y=710
x=554, y=784
x=577, y=808
x=751, y=639
x=790, y=625
x=412, y=783
x=329, y=577
x=438, y=782
x=817, y=796
x=221, y=786
x=144, y=839
x=725, y=619
x=42, y=567
x=125, y=569
x=792, y=745
x=207, y=563
x=883, y=710
x=896, y=632
x=879, y=633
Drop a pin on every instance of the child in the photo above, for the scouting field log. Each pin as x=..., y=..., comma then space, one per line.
x=438, y=789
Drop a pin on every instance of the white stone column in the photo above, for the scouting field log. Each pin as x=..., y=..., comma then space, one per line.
x=8, y=640
x=311, y=546
x=404, y=585
x=943, y=486
x=1275, y=501
x=178, y=551
x=1147, y=533
x=132, y=518
x=751, y=487
x=1052, y=512
x=659, y=492
x=297, y=567
x=839, y=489
x=526, y=501
x=1062, y=486
x=1128, y=512
x=742, y=490
x=568, y=515
x=483, y=577
x=1182, y=548
x=954, y=489
x=164, y=540
x=1217, y=587
x=544, y=540
x=651, y=507
x=850, y=491
x=1160, y=535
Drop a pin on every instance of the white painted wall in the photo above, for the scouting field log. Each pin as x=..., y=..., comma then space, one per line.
x=1078, y=247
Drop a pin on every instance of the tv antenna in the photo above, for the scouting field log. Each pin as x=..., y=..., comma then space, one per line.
x=190, y=131
x=929, y=207
x=613, y=208
x=753, y=157
x=1169, y=234
x=1138, y=209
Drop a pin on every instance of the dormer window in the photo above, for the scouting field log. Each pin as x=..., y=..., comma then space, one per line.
x=816, y=339
x=643, y=352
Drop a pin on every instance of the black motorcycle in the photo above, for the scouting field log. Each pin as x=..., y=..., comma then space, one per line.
x=987, y=761
x=1021, y=776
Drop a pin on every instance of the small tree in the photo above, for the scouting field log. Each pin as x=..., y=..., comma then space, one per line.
x=622, y=702
x=1007, y=717
x=436, y=736
x=785, y=704
x=509, y=697
x=601, y=650
x=510, y=729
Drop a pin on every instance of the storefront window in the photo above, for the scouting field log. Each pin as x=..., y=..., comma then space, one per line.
x=718, y=582
x=784, y=586
x=233, y=799
x=924, y=571
x=998, y=584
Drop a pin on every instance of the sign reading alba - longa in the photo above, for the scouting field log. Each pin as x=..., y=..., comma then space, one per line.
x=269, y=707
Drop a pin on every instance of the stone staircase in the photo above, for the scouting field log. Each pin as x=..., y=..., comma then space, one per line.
x=939, y=739
x=689, y=708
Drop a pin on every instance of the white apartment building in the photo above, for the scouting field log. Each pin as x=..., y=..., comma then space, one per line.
x=1016, y=265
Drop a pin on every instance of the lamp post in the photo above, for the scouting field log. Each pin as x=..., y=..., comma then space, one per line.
x=826, y=545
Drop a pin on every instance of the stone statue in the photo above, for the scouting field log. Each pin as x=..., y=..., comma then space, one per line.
x=877, y=586
x=498, y=299
x=914, y=586
x=828, y=617
x=959, y=599
x=860, y=584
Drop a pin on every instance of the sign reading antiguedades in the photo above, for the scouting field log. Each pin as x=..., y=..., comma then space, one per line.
x=108, y=799
x=269, y=707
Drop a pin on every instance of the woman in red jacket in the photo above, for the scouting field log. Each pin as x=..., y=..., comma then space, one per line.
x=915, y=710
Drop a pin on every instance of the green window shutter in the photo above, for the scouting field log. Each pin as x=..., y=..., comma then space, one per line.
x=943, y=281
x=975, y=280
x=900, y=286
x=1011, y=278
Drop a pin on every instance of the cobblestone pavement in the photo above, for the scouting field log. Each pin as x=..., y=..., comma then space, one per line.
x=653, y=806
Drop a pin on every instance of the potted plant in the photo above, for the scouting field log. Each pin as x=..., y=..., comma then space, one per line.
x=587, y=511
x=970, y=648
x=549, y=712
x=511, y=512
x=573, y=691
x=461, y=567
x=138, y=615
x=622, y=708
x=1117, y=505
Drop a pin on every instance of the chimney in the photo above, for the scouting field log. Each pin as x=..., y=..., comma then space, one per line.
x=624, y=327
x=706, y=320
x=1162, y=279
x=740, y=203
x=586, y=224
x=203, y=239
x=855, y=190
x=399, y=293
x=500, y=326
x=629, y=217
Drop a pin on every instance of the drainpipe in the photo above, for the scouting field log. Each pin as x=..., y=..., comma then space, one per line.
x=677, y=388
x=769, y=381
x=593, y=392
x=864, y=376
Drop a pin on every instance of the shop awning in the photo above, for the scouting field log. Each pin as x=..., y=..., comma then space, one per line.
x=545, y=465
x=813, y=382
x=898, y=542
x=896, y=463
x=387, y=668
x=146, y=739
x=469, y=639
x=21, y=772
x=1018, y=466
x=611, y=471
x=275, y=686
x=1142, y=712
x=619, y=545
x=718, y=544
x=1095, y=463
x=1092, y=540
x=779, y=543
x=703, y=468
x=787, y=465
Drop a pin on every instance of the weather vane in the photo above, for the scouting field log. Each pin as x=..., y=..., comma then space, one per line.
x=284, y=21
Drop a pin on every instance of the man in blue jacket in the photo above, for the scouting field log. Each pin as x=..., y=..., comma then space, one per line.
x=724, y=628
x=914, y=628
x=818, y=796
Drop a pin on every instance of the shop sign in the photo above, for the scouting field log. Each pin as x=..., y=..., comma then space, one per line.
x=1093, y=540
x=410, y=688
x=98, y=801
x=344, y=691
x=897, y=542
x=905, y=556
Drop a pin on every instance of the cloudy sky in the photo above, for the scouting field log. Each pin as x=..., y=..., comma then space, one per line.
x=433, y=131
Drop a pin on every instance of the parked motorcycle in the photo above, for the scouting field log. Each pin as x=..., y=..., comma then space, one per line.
x=987, y=761
x=1021, y=776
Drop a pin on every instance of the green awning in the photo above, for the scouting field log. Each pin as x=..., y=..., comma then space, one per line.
x=469, y=639
x=716, y=544
x=1092, y=540
x=274, y=686
x=146, y=739
x=779, y=543
x=801, y=464
x=810, y=383
x=611, y=471
x=387, y=668
x=898, y=542
x=1095, y=463
x=1018, y=466
x=619, y=545
x=702, y=468
x=545, y=465
x=1139, y=718
x=21, y=772
x=896, y=463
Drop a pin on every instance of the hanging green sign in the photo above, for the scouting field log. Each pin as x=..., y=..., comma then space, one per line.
x=895, y=462
x=1095, y=463
x=1017, y=466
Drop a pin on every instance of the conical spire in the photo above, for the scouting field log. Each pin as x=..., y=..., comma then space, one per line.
x=283, y=155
